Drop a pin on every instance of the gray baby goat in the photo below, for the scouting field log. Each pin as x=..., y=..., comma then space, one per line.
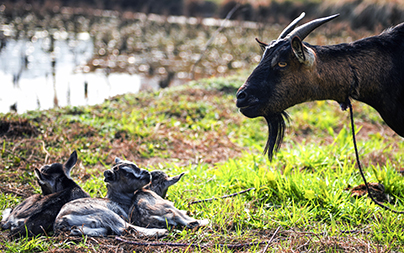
x=106, y=216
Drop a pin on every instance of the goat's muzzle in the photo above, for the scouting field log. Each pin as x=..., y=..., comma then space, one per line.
x=109, y=176
x=248, y=104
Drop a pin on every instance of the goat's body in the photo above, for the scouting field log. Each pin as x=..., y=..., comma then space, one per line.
x=370, y=70
x=150, y=210
x=91, y=216
x=37, y=213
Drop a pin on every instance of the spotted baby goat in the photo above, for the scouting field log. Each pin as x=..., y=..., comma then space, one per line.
x=149, y=209
x=106, y=216
x=36, y=214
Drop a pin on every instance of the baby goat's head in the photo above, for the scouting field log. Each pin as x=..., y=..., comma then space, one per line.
x=126, y=177
x=160, y=182
x=51, y=177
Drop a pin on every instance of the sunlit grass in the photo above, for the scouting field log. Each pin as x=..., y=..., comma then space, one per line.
x=197, y=130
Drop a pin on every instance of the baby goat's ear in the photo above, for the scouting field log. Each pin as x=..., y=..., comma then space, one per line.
x=70, y=163
x=175, y=179
x=38, y=175
x=118, y=160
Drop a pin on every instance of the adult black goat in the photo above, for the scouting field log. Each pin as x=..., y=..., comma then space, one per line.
x=370, y=70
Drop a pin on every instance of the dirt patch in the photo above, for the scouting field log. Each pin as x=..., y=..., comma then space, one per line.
x=17, y=128
x=376, y=189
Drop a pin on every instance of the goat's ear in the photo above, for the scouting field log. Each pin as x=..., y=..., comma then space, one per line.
x=37, y=174
x=118, y=160
x=175, y=179
x=298, y=49
x=262, y=44
x=70, y=163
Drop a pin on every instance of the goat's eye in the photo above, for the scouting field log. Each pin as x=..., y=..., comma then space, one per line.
x=282, y=64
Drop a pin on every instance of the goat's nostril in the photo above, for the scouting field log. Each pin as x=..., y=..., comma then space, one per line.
x=241, y=95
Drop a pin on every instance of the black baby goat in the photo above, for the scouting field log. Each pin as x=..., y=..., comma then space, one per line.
x=36, y=214
x=370, y=70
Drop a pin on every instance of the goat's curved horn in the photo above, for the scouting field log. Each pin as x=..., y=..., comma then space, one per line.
x=291, y=26
x=304, y=30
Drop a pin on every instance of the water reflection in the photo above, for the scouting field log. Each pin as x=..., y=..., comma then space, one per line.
x=67, y=49
x=79, y=47
x=49, y=71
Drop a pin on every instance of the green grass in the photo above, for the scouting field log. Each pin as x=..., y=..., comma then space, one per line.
x=197, y=129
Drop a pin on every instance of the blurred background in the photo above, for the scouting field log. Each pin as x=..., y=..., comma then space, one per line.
x=55, y=53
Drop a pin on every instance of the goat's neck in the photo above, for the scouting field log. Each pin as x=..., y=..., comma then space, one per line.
x=365, y=75
x=340, y=74
x=74, y=190
x=122, y=198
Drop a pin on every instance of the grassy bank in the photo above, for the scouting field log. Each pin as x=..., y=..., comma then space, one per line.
x=196, y=129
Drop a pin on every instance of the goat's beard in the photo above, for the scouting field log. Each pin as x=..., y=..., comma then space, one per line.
x=276, y=130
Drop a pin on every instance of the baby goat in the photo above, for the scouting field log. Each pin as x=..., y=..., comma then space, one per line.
x=102, y=217
x=160, y=182
x=37, y=213
x=149, y=209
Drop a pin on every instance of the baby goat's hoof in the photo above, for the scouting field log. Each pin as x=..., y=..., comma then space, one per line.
x=196, y=224
x=192, y=225
x=203, y=222
x=6, y=213
x=76, y=232
x=150, y=232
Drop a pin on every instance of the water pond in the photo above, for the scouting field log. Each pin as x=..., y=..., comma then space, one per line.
x=81, y=57
x=42, y=73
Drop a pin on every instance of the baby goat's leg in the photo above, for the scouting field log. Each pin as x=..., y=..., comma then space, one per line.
x=85, y=230
x=182, y=218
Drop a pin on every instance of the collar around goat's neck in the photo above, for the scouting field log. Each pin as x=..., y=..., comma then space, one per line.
x=353, y=91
